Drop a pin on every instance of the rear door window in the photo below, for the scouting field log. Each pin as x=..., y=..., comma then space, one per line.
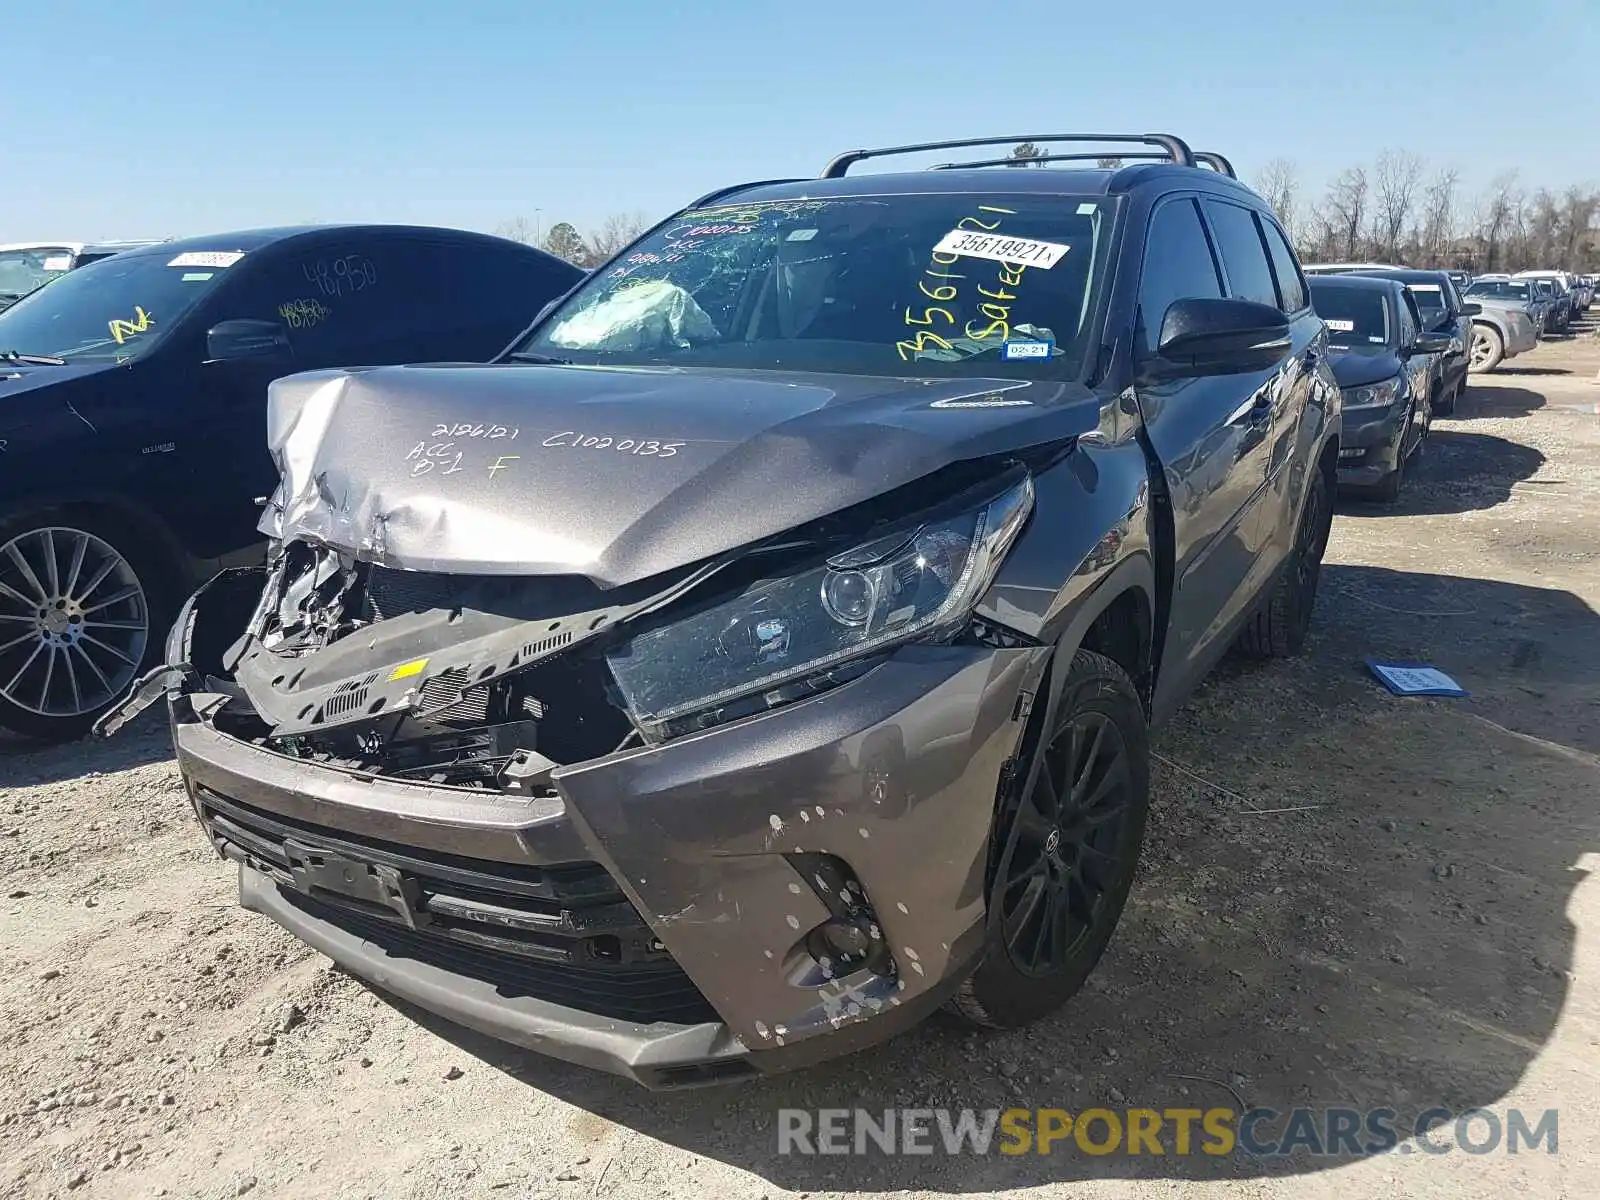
x=374, y=300
x=1244, y=258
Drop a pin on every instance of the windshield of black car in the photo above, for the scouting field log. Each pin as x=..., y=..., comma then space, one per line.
x=926, y=285
x=21, y=271
x=1506, y=289
x=1355, y=316
x=114, y=309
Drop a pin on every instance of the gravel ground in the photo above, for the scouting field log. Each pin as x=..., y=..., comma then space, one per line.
x=1419, y=930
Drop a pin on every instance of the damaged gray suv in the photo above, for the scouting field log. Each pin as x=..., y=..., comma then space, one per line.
x=761, y=653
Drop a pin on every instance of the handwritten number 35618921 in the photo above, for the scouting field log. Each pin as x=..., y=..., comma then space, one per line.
x=342, y=276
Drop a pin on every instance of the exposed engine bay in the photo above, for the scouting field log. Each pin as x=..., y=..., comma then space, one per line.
x=461, y=680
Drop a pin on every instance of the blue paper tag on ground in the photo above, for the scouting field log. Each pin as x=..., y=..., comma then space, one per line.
x=1415, y=679
x=1031, y=348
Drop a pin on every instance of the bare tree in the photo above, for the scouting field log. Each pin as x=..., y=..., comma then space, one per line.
x=1346, y=209
x=1024, y=154
x=1279, y=185
x=1496, y=212
x=1439, y=217
x=518, y=229
x=615, y=232
x=1579, y=208
x=1398, y=175
x=1109, y=163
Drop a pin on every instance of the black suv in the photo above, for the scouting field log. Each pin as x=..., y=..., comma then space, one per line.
x=133, y=420
x=1445, y=313
x=763, y=652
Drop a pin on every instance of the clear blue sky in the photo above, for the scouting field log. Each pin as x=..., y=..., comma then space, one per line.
x=182, y=117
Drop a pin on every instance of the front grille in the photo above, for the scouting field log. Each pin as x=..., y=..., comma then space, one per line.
x=563, y=933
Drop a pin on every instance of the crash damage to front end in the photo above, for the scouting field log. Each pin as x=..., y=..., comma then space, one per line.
x=686, y=826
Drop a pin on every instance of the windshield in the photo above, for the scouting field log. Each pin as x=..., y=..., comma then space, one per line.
x=892, y=285
x=1355, y=316
x=1507, y=289
x=113, y=309
x=21, y=271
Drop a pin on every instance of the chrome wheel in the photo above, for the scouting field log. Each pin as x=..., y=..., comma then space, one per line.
x=74, y=622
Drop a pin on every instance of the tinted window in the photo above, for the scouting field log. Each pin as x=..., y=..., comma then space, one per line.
x=1177, y=266
x=1291, y=287
x=375, y=300
x=1410, y=320
x=1243, y=256
x=931, y=284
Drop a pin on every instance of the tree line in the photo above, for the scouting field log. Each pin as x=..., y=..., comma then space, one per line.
x=564, y=240
x=1396, y=209
x=1400, y=209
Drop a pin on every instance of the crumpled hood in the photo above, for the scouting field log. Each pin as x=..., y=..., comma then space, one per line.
x=614, y=473
x=1358, y=368
x=18, y=378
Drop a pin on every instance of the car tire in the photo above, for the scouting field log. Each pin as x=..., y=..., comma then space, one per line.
x=1486, y=349
x=73, y=638
x=1279, y=627
x=1061, y=873
x=1447, y=405
x=1387, y=490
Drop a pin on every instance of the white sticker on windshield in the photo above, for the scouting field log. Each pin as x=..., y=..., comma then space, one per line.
x=207, y=258
x=1022, y=251
x=1087, y=208
x=1340, y=326
x=800, y=235
x=197, y=276
x=58, y=262
x=1424, y=287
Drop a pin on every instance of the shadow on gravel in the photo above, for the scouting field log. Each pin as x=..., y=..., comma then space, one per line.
x=1532, y=371
x=1458, y=472
x=24, y=762
x=1481, y=401
x=1399, y=941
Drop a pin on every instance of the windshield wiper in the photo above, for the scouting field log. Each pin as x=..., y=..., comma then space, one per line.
x=544, y=360
x=32, y=360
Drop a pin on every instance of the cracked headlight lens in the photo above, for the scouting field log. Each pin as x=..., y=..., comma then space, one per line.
x=1376, y=396
x=769, y=644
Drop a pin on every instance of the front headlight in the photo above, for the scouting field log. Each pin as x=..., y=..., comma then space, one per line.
x=1377, y=395
x=772, y=642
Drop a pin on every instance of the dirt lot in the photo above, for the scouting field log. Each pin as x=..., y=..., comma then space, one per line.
x=1420, y=931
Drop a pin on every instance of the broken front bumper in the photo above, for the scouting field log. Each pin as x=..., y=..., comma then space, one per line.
x=667, y=916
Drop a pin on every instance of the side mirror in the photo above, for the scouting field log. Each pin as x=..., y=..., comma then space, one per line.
x=248, y=339
x=1431, y=343
x=1471, y=309
x=1221, y=337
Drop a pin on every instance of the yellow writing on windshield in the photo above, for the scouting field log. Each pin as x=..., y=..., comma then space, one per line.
x=123, y=330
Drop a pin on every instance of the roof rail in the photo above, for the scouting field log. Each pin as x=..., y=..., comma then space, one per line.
x=1207, y=158
x=1177, y=150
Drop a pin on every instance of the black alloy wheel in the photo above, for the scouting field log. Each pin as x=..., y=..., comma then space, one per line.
x=1069, y=847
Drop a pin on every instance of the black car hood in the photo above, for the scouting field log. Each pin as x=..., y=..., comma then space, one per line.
x=617, y=474
x=1360, y=366
x=17, y=378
